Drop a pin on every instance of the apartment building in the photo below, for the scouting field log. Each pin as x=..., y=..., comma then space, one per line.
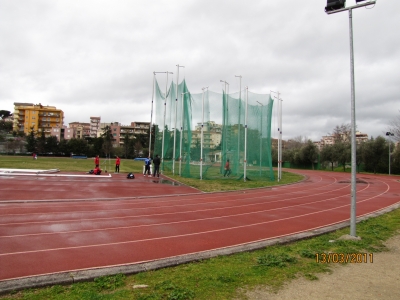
x=40, y=118
x=94, y=126
x=330, y=140
x=119, y=131
x=81, y=130
x=212, y=135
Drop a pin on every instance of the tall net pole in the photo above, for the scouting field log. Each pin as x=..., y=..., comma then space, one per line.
x=165, y=113
x=280, y=137
x=176, y=113
x=180, y=145
x=261, y=108
x=225, y=125
x=151, y=115
x=238, y=124
x=201, y=135
x=245, y=137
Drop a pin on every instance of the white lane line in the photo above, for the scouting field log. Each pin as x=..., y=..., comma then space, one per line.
x=173, y=206
x=177, y=222
x=202, y=197
x=172, y=195
x=195, y=233
x=55, y=175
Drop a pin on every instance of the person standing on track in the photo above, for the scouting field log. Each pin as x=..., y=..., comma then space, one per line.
x=117, y=163
x=156, y=162
x=97, y=161
x=227, y=169
x=147, y=164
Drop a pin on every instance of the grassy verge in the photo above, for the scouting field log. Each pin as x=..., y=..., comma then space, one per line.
x=67, y=164
x=228, y=277
x=230, y=184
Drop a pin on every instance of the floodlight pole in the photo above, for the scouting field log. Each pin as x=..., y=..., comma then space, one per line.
x=176, y=113
x=240, y=101
x=165, y=112
x=262, y=107
x=389, y=134
x=180, y=145
x=353, y=117
x=279, y=135
x=245, y=136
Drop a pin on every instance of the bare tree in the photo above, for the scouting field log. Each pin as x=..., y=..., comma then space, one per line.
x=394, y=127
x=342, y=133
x=296, y=142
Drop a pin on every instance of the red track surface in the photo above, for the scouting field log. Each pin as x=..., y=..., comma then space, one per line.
x=87, y=223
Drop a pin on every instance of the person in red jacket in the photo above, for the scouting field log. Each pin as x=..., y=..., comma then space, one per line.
x=117, y=163
x=97, y=171
x=227, y=169
x=97, y=161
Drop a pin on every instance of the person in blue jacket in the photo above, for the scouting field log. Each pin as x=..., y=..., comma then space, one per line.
x=147, y=164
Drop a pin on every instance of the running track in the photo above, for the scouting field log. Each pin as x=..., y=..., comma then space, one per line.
x=51, y=226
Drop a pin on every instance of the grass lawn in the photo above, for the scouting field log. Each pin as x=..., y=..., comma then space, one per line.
x=68, y=164
x=129, y=165
x=224, y=277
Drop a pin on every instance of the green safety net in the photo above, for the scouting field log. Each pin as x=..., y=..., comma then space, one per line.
x=208, y=128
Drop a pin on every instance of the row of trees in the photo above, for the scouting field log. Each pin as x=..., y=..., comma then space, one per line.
x=372, y=154
x=134, y=145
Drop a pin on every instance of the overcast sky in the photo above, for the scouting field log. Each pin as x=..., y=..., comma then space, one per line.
x=97, y=57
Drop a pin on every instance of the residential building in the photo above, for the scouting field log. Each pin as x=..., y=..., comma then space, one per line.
x=57, y=132
x=82, y=130
x=330, y=140
x=69, y=133
x=212, y=135
x=361, y=137
x=94, y=126
x=36, y=117
x=119, y=131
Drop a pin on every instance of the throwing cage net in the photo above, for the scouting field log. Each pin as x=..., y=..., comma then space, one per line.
x=196, y=134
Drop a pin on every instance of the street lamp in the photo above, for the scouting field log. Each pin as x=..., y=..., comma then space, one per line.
x=331, y=8
x=280, y=135
x=389, y=134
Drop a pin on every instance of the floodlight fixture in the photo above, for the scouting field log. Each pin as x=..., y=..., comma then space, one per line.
x=334, y=5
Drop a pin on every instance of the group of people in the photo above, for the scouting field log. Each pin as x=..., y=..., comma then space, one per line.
x=147, y=164
x=156, y=163
x=97, y=170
